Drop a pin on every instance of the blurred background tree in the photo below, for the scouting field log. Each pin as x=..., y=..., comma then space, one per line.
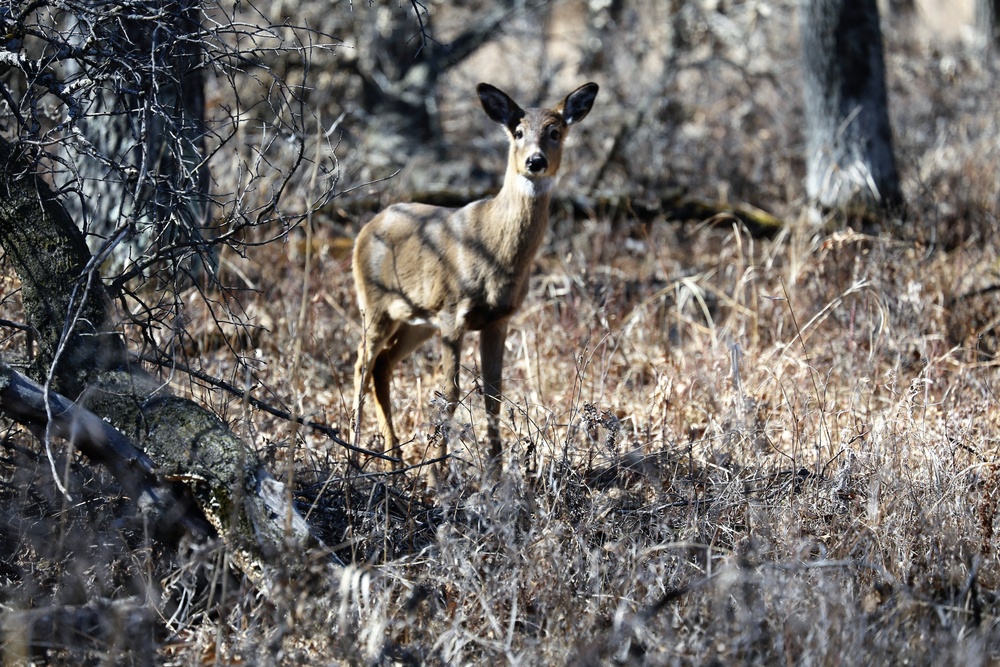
x=134, y=173
x=850, y=165
x=988, y=23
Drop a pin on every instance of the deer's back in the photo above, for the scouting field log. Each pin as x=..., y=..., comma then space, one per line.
x=415, y=261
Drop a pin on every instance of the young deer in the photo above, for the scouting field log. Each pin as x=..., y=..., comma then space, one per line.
x=421, y=268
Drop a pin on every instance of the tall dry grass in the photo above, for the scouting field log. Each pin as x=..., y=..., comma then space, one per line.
x=721, y=448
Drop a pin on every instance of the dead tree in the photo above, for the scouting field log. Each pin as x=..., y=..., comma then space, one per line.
x=101, y=111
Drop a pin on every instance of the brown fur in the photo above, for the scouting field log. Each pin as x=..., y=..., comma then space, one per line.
x=421, y=268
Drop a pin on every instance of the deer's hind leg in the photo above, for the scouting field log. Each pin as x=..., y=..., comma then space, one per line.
x=405, y=339
x=377, y=332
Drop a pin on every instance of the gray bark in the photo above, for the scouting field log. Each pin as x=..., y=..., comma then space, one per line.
x=137, y=176
x=988, y=23
x=63, y=300
x=849, y=161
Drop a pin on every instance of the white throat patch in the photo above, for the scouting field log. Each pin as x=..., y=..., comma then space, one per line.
x=535, y=187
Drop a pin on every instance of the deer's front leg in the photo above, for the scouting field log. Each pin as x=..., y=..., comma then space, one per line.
x=491, y=347
x=450, y=361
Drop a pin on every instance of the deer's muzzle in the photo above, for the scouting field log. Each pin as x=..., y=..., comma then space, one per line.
x=536, y=163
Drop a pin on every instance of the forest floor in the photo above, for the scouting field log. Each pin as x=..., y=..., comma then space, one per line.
x=721, y=446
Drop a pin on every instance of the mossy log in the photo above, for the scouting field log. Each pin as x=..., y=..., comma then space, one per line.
x=80, y=356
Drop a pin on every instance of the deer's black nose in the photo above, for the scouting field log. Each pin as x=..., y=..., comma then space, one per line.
x=537, y=163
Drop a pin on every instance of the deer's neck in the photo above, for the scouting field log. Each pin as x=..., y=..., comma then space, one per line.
x=532, y=188
x=519, y=219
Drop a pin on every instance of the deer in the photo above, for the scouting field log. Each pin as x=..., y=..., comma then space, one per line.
x=421, y=269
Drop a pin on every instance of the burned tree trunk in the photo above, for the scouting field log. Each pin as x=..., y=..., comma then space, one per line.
x=849, y=161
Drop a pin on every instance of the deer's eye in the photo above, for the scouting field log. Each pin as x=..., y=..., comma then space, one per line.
x=555, y=134
x=518, y=134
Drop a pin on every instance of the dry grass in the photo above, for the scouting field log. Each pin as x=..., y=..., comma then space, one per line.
x=721, y=449
x=759, y=450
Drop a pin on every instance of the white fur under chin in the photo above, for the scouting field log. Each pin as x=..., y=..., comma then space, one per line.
x=535, y=187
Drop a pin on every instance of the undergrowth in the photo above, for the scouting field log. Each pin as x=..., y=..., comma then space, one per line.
x=720, y=448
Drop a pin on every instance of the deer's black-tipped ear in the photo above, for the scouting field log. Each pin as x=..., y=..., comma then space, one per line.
x=499, y=106
x=577, y=104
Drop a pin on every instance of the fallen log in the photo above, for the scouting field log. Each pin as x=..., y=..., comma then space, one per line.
x=673, y=204
x=86, y=389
